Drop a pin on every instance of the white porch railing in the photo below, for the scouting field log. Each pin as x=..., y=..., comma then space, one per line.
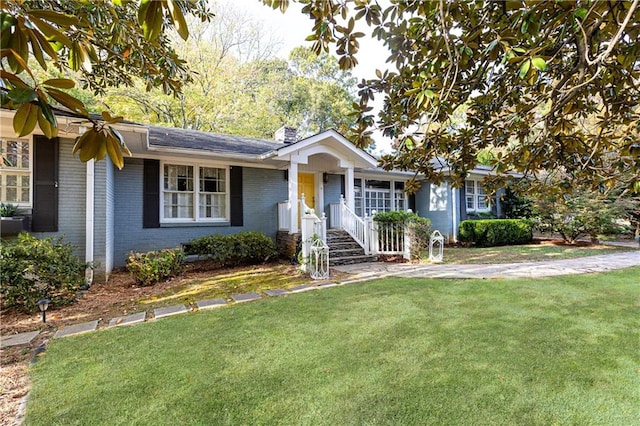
x=355, y=226
x=391, y=239
x=335, y=218
x=313, y=233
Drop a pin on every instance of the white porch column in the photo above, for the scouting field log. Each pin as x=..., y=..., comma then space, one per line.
x=293, y=197
x=350, y=195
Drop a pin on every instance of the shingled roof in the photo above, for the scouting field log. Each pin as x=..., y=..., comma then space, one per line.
x=211, y=142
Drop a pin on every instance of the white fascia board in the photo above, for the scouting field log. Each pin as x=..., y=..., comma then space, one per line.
x=246, y=161
x=328, y=134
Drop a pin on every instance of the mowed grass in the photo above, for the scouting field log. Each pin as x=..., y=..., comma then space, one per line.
x=564, y=350
x=224, y=283
x=524, y=253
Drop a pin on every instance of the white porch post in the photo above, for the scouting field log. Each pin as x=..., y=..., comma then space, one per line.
x=350, y=191
x=293, y=197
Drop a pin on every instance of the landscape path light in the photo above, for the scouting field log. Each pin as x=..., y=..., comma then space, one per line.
x=43, y=305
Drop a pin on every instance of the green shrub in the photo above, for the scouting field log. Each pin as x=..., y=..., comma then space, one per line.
x=495, y=232
x=151, y=267
x=243, y=248
x=419, y=228
x=8, y=210
x=34, y=269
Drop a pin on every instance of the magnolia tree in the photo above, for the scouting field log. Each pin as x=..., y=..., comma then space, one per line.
x=107, y=43
x=545, y=85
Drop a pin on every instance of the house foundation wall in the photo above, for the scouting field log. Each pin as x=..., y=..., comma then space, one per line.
x=287, y=243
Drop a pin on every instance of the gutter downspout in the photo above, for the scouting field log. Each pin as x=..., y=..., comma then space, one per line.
x=454, y=208
x=89, y=219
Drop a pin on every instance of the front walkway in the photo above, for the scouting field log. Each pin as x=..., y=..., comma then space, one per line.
x=550, y=268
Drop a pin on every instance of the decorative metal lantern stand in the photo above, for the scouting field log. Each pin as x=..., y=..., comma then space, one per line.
x=436, y=247
x=319, y=260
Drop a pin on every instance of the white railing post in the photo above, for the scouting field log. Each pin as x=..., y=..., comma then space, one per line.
x=368, y=235
x=323, y=227
x=406, y=251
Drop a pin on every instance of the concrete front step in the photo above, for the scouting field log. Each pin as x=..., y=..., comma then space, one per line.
x=347, y=253
x=343, y=250
x=344, y=246
x=335, y=261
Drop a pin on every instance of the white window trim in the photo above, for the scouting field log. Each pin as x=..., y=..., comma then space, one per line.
x=196, y=192
x=22, y=205
x=393, y=192
x=476, y=194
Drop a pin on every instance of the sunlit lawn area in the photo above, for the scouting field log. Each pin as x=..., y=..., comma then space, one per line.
x=224, y=283
x=394, y=351
x=524, y=253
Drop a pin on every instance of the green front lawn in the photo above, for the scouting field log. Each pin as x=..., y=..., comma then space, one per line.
x=396, y=351
x=541, y=251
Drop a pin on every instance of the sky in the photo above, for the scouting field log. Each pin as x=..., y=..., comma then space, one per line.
x=293, y=27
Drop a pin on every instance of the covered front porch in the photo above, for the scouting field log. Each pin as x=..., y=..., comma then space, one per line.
x=321, y=169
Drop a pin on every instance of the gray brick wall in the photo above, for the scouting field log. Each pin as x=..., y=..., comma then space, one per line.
x=262, y=189
x=440, y=219
x=332, y=192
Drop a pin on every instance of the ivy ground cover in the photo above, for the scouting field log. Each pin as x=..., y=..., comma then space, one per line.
x=562, y=350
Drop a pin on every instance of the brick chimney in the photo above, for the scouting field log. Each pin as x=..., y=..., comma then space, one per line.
x=286, y=134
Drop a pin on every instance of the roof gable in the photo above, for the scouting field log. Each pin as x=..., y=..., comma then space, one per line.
x=328, y=142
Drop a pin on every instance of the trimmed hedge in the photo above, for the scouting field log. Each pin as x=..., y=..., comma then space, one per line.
x=495, y=232
x=243, y=248
x=151, y=267
x=33, y=269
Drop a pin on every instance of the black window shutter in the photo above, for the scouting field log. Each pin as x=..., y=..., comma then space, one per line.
x=151, y=197
x=463, y=201
x=412, y=202
x=44, y=216
x=235, y=196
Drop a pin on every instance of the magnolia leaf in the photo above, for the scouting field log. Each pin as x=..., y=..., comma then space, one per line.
x=21, y=95
x=539, y=63
x=24, y=120
x=113, y=149
x=61, y=19
x=36, y=49
x=67, y=100
x=524, y=68
x=150, y=16
x=49, y=130
x=178, y=19
x=580, y=13
x=61, y=83
x=91, y=146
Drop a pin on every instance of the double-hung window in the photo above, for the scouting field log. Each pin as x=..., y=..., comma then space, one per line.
x=195, y=193
x=476, y=197
x=15, y=172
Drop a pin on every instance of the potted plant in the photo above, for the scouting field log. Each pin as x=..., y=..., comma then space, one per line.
x=12, y=223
